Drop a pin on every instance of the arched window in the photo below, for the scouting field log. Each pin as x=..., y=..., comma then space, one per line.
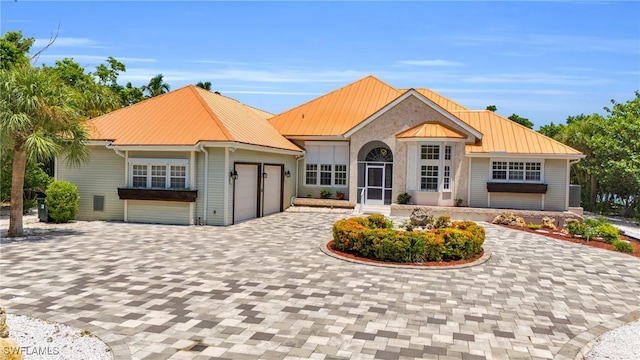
x=380, y=154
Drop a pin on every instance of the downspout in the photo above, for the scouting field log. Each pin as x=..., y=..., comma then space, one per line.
x=192, y=186
x=298, y=158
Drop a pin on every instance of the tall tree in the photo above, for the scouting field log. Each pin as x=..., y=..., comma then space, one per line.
x=130, y=95
x=14, y=49
x=156, y=86
x=521, y=120
x=204, y=85
x=491, y=108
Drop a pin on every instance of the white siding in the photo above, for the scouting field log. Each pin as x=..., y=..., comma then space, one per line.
x=555, y=176
x=158, y=212
x=217, y=176
x=516, y=201
x=102, y=176
x=160, y=154
x=478, y=182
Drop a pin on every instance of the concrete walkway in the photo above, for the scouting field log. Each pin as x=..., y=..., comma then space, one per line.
x=263, y=290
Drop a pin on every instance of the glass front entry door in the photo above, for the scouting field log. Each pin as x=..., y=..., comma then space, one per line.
x=374, y=194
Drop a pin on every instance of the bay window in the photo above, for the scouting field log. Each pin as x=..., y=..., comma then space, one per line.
x=326, y=164
x=436, y=170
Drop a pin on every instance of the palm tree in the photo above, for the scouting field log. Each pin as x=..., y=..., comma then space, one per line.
x=204, y=85
x=156, y=86
x=40, y=118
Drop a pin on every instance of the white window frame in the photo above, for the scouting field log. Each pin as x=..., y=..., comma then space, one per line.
x=324, y=163
x=166, y=163
x=525, y=162
x=441, y=162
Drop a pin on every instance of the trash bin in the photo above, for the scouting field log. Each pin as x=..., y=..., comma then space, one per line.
x=43, y=213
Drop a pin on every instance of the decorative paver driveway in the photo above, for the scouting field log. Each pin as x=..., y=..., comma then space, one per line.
x=264, y=290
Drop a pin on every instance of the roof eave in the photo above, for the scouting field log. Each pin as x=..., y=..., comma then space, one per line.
x=500, y=154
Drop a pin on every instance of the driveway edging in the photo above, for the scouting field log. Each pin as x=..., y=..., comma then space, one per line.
x=119, y=348
x=581, y=344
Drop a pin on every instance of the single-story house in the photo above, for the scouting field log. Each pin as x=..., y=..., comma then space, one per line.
x=193, y=156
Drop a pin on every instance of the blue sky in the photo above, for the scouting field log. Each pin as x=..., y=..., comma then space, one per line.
x=541, y=60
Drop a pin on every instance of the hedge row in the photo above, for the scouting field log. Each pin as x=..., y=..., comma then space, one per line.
x=373, y=237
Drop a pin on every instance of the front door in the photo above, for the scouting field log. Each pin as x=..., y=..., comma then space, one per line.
x=374, y=193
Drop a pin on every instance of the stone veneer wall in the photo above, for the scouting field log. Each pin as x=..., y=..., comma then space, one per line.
x=405, y=115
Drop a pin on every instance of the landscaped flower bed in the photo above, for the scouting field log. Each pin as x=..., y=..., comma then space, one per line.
x=592, y=232
x=374, y=237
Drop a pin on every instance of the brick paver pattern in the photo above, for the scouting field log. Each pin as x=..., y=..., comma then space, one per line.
x=262, y=289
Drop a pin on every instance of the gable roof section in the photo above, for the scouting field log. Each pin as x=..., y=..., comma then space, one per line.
x=188, y=116
x=338, y=111
x=412, y=92
x=440, y=100
x=430, y=130
x=505, y=136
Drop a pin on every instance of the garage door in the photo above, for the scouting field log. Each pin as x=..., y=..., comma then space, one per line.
x=272, y=189
x=245, y=203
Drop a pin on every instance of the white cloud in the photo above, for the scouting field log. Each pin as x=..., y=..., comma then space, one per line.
x=95, y=58
x=435, y=62
x=74, y=42
x=534, y=78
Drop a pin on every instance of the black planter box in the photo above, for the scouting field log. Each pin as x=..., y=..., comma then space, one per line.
x=158, y=194
x=523, y=188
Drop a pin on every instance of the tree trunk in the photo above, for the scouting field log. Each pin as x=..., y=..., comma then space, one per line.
x=593, y=193
x=17, y=189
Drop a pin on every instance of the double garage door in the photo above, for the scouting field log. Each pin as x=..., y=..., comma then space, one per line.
x=258, y=190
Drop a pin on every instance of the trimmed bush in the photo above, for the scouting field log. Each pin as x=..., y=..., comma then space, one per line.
x=607, y=232
x=373, y=237
x=576, y=228
x=325, y=194
x=62, y=201
x=534, y=226
x=622, y=246
x=404, y=198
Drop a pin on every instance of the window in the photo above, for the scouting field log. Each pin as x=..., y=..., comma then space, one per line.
x=429, y=178
x=340, y=175
x=516, y=171
x=158, y=173
x=447, y=152
x=139, y=176
x=311, y=177
x=158, y=176
x=325, y=174
x=326, y=163
x=430, y=152
x=178, y=178
x=446, y=184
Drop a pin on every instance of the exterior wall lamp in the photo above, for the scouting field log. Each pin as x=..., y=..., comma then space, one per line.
x=287, y=173
x=233, y=175
x=264, y=175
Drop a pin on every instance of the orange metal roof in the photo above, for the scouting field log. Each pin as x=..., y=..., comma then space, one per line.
x=336, y=112
x=430, y=130
x=185, y=117
x=440, y=100
x=504, y=135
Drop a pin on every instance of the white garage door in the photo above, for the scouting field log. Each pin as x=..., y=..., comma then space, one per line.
x=246, y=192
x=272, y=189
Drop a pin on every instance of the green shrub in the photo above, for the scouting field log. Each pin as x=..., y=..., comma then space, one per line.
x=534, y=226
x=404, y=198
x=576, y=228
x=325, y=194
x=373, y=237
x=607, y=232
x=622, y=246
x=62, y=201
x=442, y=222
x=458, y=202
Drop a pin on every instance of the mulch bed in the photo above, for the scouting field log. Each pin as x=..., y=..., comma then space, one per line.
x=592, y=243
x=425, y=264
